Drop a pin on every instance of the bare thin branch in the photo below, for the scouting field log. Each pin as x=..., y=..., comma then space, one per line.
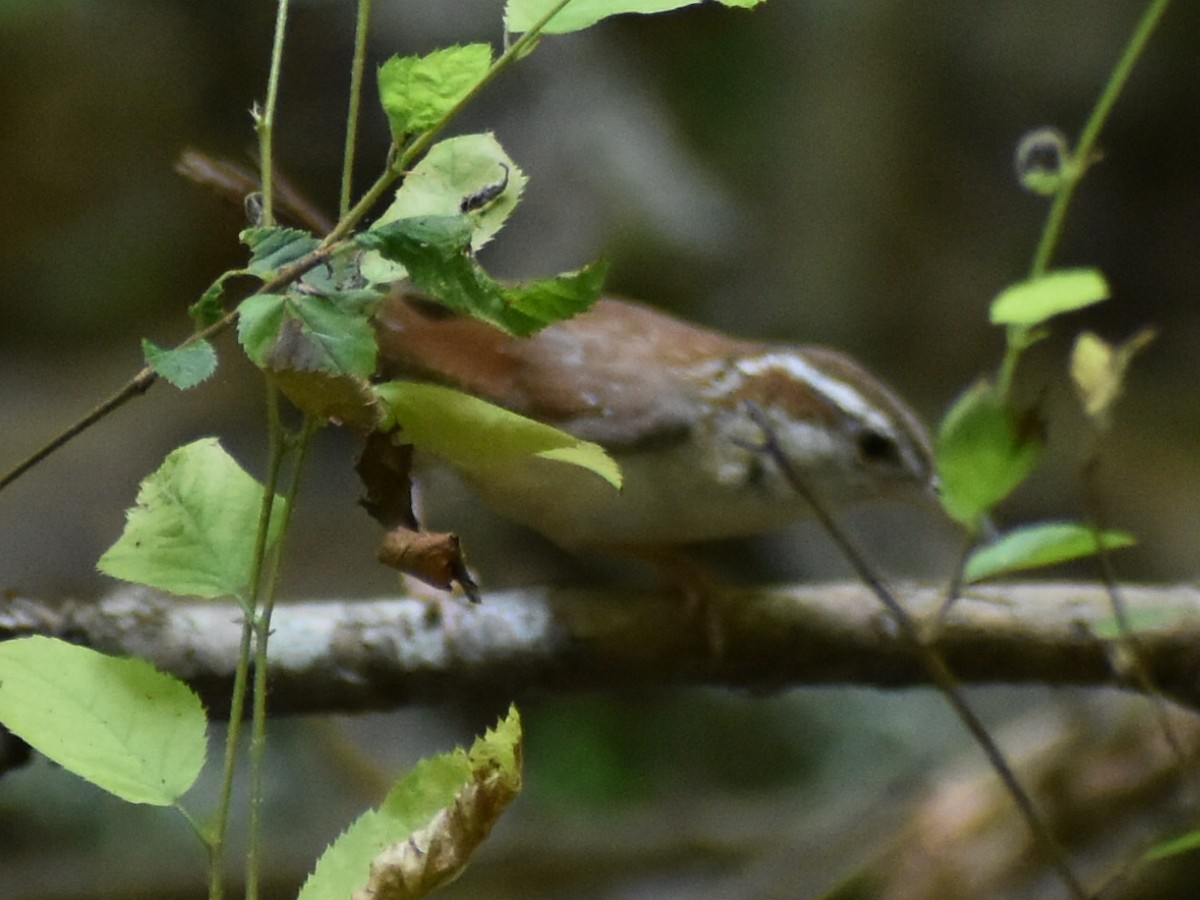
x=343, y=656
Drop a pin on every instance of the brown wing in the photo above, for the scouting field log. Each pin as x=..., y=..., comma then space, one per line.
x=610, y=375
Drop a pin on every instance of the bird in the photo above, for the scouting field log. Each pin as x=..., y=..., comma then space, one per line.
x=682, y=408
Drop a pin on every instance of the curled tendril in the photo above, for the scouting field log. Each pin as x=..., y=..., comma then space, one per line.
x=1043, y=161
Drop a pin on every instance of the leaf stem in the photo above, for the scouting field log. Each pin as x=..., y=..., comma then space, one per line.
x=264, y=124
x=237, y=706
x=1076, y=168
x=145, y=379
x=510, y=55
x=254, y=619
x=404, y=158
x=258, y=737
x=355, y=105
x=1086, y=147
x=246, y=647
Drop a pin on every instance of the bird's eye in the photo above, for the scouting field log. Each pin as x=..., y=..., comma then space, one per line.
x=876, y=447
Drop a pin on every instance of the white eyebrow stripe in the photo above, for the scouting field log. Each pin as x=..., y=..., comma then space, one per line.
x=843, y=395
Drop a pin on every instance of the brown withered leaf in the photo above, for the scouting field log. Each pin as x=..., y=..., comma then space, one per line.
x=385, y=469
x=433, y=557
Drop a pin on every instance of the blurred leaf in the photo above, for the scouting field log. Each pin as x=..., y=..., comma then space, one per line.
x=521, y=15
x=475, y=436
x=185, y=367
x=417, y=91
x=1098, y=371
x=1040, y=545
x=431, y=822
x=1185, y=843
x=1033, y=302
x=193, y=530
x=274, y=248
x=119, y=723
x=1109, y=629
x=983, y=453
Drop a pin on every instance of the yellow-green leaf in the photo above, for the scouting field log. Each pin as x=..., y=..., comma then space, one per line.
x=456, y=176
x=1032, y=302
x=417, y=91
x=1098, y=370
x=522, y=15
x=192, y=531
x=475, y=436
x=119, y=723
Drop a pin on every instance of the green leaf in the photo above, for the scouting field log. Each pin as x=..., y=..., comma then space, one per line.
x=193, y=530
x=1032, y=302
x=273, y=248
x=475, y=436
x=554, y=299
x=119, y=723
x=470, y=171
x=521, y=15
x=431, y=822
x=434, y=250
x=309, y=333
x=417, y=91
x=210, y=308
x=185, y=367
x=1040, y=545
x=983, y=453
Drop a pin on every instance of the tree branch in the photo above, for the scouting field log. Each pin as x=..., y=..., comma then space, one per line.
x=345, y=656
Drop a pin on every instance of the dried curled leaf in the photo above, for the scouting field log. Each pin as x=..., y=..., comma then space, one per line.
x=434, y=557
x=433, y=819
x=385, y=469
x=436, y=855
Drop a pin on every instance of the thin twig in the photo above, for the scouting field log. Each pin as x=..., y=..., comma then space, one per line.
x=145, y=379
x=1127, y=636
x=939, y=672
x=332, y=242
x=138, y=385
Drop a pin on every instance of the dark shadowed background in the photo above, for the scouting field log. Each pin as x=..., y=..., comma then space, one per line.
x=812, y=172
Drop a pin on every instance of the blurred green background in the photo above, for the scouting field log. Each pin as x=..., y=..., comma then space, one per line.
x=815, y=172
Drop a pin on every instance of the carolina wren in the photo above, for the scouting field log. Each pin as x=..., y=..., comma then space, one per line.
x=669, y=401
